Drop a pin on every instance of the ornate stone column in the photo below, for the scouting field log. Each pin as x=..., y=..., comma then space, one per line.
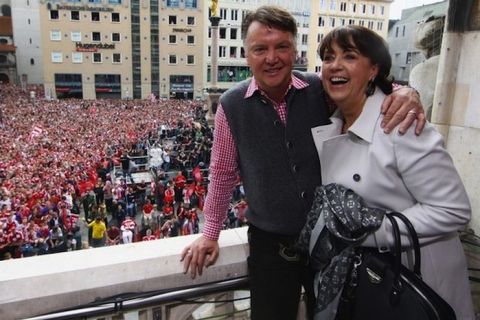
x=213, y=92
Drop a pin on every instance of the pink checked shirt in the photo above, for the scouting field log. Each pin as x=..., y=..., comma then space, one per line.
x=224, y=167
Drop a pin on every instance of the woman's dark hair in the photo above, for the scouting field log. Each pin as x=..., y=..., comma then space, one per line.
x=272, y=16
x=369, y=44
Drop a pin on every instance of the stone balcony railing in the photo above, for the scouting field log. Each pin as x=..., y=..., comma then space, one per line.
x=44, y=284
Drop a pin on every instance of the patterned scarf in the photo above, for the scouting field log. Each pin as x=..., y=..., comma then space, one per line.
x=348, y=221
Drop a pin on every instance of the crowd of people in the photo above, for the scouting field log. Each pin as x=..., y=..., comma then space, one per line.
x=57, y=163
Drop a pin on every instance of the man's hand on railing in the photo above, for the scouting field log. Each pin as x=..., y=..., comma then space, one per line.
x=201, y=253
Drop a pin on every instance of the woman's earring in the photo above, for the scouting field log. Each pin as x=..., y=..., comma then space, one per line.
x=370, y=87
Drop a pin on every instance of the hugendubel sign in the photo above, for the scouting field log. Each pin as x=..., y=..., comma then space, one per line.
x=93, y=47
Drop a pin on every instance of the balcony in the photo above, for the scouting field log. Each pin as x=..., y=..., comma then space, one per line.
x=41, y=285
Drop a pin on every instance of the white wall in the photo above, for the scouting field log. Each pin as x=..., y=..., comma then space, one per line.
x=456, y=111
x=23, y=31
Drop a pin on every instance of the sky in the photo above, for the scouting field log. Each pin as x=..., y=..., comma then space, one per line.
x=398, y=5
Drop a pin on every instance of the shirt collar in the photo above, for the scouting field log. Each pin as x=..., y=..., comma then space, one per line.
x=295, y=82
x=365, y=125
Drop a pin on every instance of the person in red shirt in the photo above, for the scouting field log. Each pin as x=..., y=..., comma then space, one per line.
x=149, y=236
x=169, y=195
x=180, y=182
x=128, y=229
x=147, y=212
x=113, y=236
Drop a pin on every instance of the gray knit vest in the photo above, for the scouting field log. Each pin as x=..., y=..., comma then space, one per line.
x=279, y=165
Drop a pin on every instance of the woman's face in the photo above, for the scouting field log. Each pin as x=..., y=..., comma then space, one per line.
x=345, y=75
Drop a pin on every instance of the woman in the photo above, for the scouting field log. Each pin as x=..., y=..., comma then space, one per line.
x=411, y=174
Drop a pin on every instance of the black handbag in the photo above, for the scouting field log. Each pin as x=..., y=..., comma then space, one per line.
x=380, y=287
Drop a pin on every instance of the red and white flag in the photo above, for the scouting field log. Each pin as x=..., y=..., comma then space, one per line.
x=37, y=131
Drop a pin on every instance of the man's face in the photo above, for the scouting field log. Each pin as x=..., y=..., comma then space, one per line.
x=270, y=54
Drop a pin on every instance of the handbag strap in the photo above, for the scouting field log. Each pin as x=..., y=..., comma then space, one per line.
x=397, y=246
x=414, y=238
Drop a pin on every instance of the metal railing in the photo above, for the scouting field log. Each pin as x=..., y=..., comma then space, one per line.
x=137, y=301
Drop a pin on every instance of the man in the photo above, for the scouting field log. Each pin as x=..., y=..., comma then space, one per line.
x=128, y=229
x=98, y=232
x=263, y=131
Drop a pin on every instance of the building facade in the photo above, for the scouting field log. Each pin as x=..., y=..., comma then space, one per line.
x=122, y=48
x=401, y=38
x=27, y=38
x=8, y=72
x=133, y=48
x=328, y=14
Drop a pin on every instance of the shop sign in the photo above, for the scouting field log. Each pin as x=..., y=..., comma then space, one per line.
x=83, y=8
x=93, y=47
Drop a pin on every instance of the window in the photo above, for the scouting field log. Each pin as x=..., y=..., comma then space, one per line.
x=403, y=31
x=190, y=59
x=323, y=4
x=53, y=14
x=396, y=32
x=373, y=9
x=209, y=33
x=361, y=23
x=97, y=57
x=172, y=20
x=233, y=33
x=96, y=36
x=28, y=20
x=305, y=39
x=234, y=14
x=30, y=40
x=354, y=7
x=172, y=59
x=343, y=6
x=55, y=35
x=190, y=3
x=117, y=58
x=190, y=39
x=223, y=13
x=57, y=57
x=95, y=16
x=32, y=61
x=364, y=8
x=379, y=26
x=351, y=21
x=115, y=37
x=332, y=22
x=382, y=10
x=319, y=37
x=77, y=57
x=342, y=21
x=172, y=39
x=76, y=36
x=233, y=52
x=370, y=25
x=333, y=4
x=222, y=51
x=172, y=3
x=115, y=1
x=409, y=58
x=209, y=51
x=115, y=17
x=321, y=21
x=95, y=1
x=222, y=33
x=75, y=15
x=190, y=21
